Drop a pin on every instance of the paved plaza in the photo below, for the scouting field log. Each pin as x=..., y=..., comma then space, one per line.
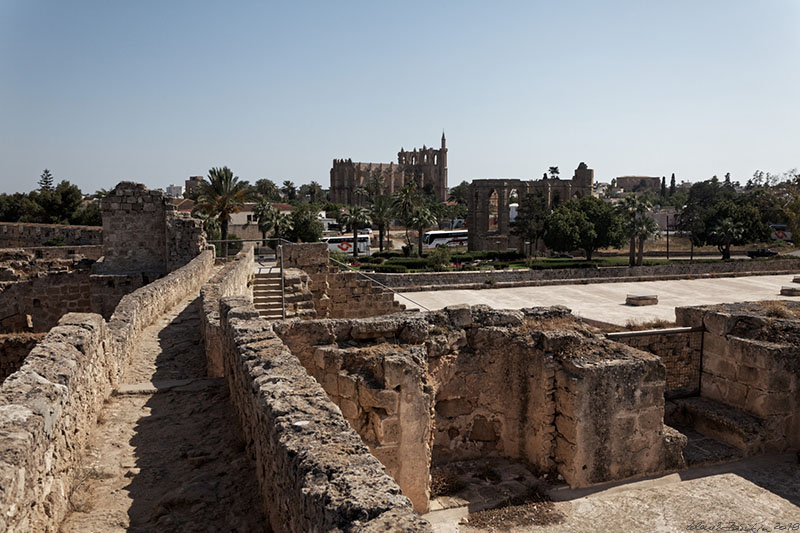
x=606, y=301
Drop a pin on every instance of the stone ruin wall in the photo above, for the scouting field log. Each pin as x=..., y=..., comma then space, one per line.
x=381, y=390
x=45, y=298
x=233, y=279
x=49, y=407
x=143, y=232
x=337, y=294
x=14, y=348
x=561, y=400
x=25, y=234
x=493, y=279
x=751, y=362
x=681, y=353
x=314, y=471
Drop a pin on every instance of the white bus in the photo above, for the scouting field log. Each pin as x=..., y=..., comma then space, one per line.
x=344, y=244
x=458, y=237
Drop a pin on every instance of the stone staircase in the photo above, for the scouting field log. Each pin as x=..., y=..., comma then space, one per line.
x=267, y=295
x=717, y=433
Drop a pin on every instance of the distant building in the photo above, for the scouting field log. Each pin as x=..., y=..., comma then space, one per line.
x=176, y=191
x=426, y=167
x=637, y=183
x=192, y=184
x=244, y=224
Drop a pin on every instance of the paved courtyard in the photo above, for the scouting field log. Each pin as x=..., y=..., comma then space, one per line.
x=606, y=301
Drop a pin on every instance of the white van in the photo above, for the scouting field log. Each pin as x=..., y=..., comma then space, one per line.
x=344, y=244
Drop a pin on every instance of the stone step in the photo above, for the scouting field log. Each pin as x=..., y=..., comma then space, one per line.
x=263, y=285
x=268, y=275
x=702, y=450
x=741, y=430
x=267, y=299
x=266, y=292
x=271, y=316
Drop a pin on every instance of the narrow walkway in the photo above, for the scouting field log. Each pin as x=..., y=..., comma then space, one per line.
x=167, y=454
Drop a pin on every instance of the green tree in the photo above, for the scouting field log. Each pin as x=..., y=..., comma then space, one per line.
x=405, y=201
x=422, y=218
x=289, y=191
x=265, y=215
x=644, y=227
x=532, y=214
x=672, y=186
x=306, y=226
x=268, y=190
x=382, y=215
x=356, y=218
x=587, y=223
x=46, y=181
x=663, y=187
x=631, y=209
x=221, y=196
x=315, y=192
x=725, y=233
x=554, y=172
x=562, y=229
x=459, y=193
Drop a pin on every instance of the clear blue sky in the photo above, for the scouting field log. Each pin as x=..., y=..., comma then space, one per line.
x=156, y=91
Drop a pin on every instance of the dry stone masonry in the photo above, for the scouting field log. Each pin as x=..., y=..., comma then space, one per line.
x=25, y=234
x=337, y=294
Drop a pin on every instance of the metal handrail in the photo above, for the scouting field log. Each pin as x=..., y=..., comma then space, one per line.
x=283, y=285
x=378, y=283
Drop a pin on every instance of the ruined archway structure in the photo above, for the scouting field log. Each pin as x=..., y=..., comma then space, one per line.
x=482, y=218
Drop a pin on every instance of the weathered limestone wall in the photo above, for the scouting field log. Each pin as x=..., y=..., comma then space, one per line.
x=532, y=384
x=299, y=299
x=752, y=362
x=49, y=407
x=337, y=294
x=142, y=232
x=559, y=276
x=46, y=298
x=14, y=348
x=315, y=472
x=25, y=234
x=89, y=251
x=47, y=410
x=610, y=421
x=495, y=394
x=681, y=353
x=137, y=310
x=233, y=279
x=382, y=390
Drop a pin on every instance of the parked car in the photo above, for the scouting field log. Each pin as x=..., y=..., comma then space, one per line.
x=561, y=256
x=761, y=252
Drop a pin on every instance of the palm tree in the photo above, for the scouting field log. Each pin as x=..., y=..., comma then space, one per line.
x=265, y=214
x=268, y=190
x=220, y=197
x=632, y=208
x=644, y=228
x=356, y=218
x=405, y=202
x=376, y=183
x=382, y=215
x=281, y=225
x=315, y=192
x=726, y=233
x=289, y=190
x=422, y=218
x=553, y=172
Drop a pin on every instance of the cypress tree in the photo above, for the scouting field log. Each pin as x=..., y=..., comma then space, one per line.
x=672, y=185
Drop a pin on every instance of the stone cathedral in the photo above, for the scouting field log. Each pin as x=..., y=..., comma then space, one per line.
x=426, y=166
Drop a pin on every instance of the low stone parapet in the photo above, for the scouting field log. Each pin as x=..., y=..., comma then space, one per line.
x=790, y=290
x=494, y=279
x=314, y=471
